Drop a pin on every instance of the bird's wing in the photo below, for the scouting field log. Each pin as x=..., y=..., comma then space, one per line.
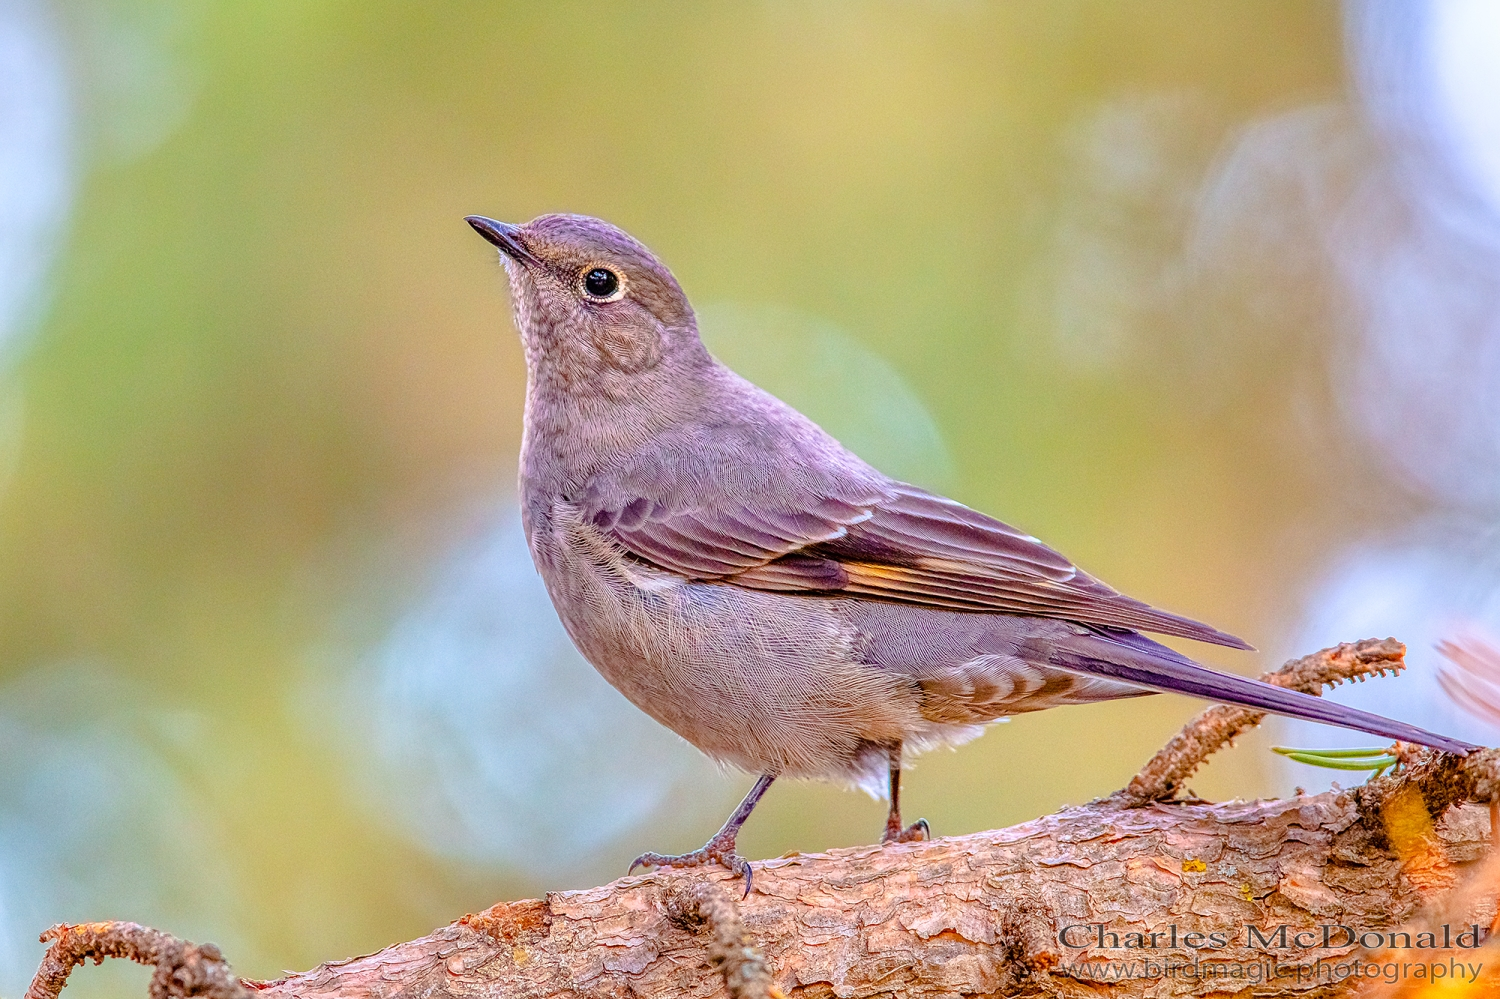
x=907, y=545
x=722, y=540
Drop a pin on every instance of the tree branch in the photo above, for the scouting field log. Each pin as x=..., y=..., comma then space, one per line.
x=182, y=969
x=1035, y=909
x=1165, y=773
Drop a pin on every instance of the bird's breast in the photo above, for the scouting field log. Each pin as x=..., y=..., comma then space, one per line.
x=765, y=681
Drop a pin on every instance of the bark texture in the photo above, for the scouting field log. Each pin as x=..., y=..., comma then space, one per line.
x=1071, y=904
x=981, y=914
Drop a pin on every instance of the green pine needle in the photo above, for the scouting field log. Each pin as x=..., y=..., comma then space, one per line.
x=1376, y=759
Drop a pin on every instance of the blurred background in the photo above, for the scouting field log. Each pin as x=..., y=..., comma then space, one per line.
x=1205, y=295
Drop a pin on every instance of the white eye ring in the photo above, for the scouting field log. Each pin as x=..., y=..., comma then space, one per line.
x=599, y=283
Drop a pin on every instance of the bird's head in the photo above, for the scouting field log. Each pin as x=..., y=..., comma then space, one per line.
x=591, y=302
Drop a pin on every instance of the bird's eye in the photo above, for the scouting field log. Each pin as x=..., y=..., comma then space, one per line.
x=601, y=283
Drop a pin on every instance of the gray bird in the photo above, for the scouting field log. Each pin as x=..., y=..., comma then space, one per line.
x=746, y=581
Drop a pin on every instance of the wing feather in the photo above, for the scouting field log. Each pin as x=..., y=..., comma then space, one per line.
x=904, y=544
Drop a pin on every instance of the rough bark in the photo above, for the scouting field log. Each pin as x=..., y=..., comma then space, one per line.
x=986, y=914
x=972, y=915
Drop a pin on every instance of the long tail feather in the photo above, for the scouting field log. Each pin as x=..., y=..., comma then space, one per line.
x=1133, y=658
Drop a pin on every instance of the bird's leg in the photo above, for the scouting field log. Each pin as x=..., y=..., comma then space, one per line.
x=720, y=849
x=918, y=830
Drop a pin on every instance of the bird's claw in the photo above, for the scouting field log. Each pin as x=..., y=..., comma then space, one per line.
x=917, y=832
x=710, y=854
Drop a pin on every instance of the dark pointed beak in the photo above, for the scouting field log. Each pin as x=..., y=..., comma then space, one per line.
x=504, y=235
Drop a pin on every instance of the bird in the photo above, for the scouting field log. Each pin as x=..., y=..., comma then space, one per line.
x=774, y=600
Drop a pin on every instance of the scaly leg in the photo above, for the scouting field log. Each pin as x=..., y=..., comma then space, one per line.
x=918, y=830
x=720, y=849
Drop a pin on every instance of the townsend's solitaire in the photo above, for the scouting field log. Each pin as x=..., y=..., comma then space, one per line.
x=765, y=594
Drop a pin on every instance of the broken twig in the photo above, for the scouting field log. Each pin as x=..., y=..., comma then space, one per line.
x=1166, y=772
x=731, y=951
x=182, y=969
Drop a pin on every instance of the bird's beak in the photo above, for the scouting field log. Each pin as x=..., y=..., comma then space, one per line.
x=504, y=235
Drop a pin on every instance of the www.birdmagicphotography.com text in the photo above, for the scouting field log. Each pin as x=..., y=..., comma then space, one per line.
x=1253, y=972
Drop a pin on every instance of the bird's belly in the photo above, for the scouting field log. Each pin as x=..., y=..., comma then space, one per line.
x=765, y=681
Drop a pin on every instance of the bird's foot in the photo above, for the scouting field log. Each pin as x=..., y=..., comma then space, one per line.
x=914, y=833
x=715, y=851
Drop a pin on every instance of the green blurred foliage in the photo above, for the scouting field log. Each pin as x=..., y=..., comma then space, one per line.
x=278, y=365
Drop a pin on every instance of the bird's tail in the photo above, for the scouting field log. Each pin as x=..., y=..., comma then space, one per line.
x=1133, y=658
